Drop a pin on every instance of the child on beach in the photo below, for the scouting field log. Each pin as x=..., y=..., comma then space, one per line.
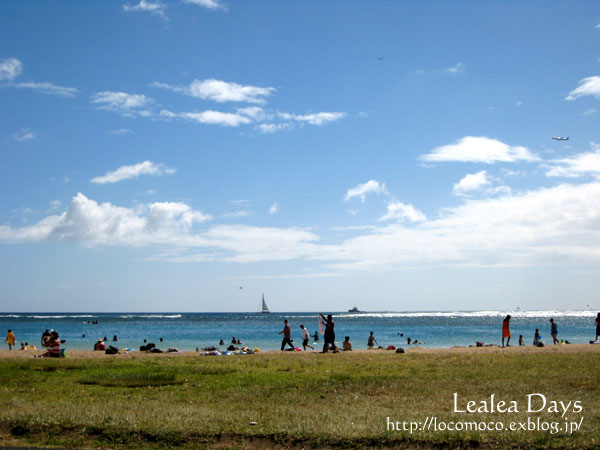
x=506, y=330
x=10, y=339
x=305, y=338
x=347, y=345
x=597, y=326
x=371, y=342
x=521, y=340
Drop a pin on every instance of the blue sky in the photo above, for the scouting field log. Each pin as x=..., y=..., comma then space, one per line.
x=189, y=155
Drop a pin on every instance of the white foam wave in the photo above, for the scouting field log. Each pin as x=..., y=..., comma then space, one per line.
x=69, y=316
x=151, y=316
x=457, y=314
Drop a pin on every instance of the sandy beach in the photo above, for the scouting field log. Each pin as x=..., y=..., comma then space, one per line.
x=527, y=349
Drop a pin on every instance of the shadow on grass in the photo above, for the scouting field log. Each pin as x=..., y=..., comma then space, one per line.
x=131, y=379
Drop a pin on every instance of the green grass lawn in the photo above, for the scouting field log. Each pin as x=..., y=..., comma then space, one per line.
x=290, y=400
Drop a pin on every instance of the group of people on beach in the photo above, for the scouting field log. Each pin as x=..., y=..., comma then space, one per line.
x=537, y=339
x=328, y=338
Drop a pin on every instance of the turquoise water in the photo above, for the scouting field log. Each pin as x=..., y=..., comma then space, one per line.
x=187, y=331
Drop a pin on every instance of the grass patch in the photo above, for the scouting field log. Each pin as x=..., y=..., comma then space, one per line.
x=294, y=400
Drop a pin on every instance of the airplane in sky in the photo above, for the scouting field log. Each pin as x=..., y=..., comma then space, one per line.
x=559, y=138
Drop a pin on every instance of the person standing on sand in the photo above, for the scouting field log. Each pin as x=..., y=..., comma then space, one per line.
x=597, y=326
x=305, y=338
x=287, y=334
x=10, y=339
x=506, y=330
x=554, y=332
x=329, y=333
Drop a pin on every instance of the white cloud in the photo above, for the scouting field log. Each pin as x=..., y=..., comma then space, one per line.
x=119, y=131
x=588, y=112
x=556, y=225
x=270, y=128
x=133, y=171
x=471, y=182
x=455, y=69
x=210, y=4
x=587, y=86
x=274, y=208
x=362, y=190
x=48, y=88
x=221, y=91
x=209, y=117
x=587, y=163
x=10, y=68
x=239, y=214
x=122, y=103
x=402, y=212
x=25, y=134
x=156, y=8
x=320, y=118
x=91, y=223
x=479, y=150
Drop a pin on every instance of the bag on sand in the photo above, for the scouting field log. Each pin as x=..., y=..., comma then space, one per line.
x=111, y=350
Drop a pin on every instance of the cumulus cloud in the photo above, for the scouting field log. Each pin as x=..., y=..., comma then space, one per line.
x=559, y=224
x=362, y=190
x=479, y=150
x=221, y=91
x=133, y=171
x=587, y=163
x=587, y=86
x=471, y=182
x=156, y=8
x=402, y=212
x=122, y=103
x=25, y=134
x=92, y=223
x=10, y=68
x=210, y=4
x=274, y=208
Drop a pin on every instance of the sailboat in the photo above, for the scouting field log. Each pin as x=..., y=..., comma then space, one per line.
x=265, y=308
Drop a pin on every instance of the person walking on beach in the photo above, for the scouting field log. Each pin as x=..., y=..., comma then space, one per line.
x=506, y=330
x=372, y=341
x=305, y=338
x=597, y=326
x=287, y=334
x=554, y=332
x=10, y=339
x=329, y=333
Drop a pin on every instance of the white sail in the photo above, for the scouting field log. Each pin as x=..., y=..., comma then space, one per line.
x=265, y=308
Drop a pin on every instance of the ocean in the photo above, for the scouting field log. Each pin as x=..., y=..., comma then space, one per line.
x=188, y=331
